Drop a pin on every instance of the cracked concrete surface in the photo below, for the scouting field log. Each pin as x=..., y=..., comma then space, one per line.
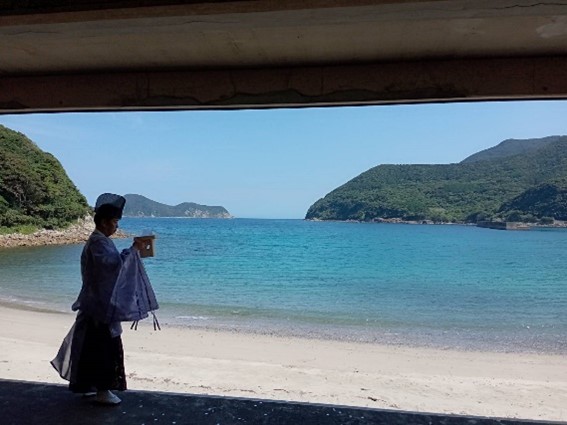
x=235, y=54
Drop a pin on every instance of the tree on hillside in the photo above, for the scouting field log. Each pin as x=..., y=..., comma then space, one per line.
x=34, y=188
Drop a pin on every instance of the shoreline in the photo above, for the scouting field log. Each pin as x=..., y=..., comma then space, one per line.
x=557, y=225
x=224, y=363
x=434, y=339
x=76, y=233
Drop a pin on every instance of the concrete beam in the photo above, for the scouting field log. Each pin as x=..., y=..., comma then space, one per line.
x=56, y=11
x=371, y=84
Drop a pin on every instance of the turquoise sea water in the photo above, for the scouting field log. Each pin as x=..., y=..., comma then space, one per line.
x=444, y=286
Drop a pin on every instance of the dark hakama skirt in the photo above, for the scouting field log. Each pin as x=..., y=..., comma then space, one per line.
x=98, y=358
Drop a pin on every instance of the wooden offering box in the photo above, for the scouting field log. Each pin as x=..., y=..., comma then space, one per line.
x=148, y=250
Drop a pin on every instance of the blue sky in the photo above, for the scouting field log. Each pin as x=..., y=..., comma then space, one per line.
x=270, y=163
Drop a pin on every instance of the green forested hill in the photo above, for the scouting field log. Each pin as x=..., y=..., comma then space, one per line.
x=35, y=191
x=512, y=147
x=544, y=201
x=140, y=206
x=475, y=189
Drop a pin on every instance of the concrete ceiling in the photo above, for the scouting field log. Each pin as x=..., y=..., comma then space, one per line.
x=205, y=54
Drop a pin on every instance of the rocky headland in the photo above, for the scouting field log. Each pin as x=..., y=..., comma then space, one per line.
x=76, y=233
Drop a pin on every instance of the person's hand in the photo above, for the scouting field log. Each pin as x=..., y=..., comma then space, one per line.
x=139, y=244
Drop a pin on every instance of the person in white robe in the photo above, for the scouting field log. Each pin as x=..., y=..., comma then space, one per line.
x=115, y=288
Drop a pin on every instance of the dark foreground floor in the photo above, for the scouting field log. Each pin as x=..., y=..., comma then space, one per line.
x=23, y=403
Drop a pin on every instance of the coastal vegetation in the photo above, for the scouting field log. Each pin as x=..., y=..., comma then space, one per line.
x=546, y=202
x=140, y=206
x=35, y=191
x=518, y=180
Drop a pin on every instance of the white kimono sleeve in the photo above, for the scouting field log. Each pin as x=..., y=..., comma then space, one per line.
x=133, y=297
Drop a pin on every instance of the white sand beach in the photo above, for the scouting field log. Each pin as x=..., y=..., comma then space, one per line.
x=309, y=370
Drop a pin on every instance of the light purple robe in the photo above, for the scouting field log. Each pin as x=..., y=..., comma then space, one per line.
x=115, y=288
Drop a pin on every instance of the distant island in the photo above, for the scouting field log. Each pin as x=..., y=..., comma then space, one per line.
x=515, y=181
x=40, y=205
x=140, y=206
